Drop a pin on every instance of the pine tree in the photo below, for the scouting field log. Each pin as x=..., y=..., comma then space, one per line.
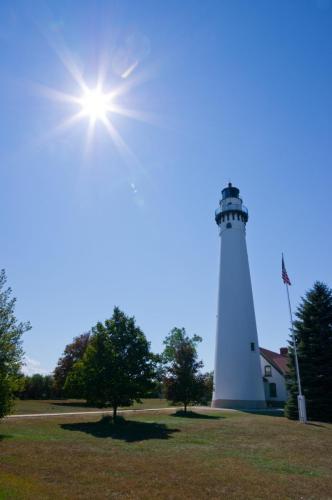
x=313, y=336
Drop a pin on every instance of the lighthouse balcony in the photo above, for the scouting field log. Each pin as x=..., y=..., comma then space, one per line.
x=232, y=209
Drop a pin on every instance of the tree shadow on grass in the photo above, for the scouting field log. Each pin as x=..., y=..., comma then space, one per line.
x=277, y=412
x=193, y=414
x=125, y=430
x=5, y=436
x=316, y=425
x=74, y=404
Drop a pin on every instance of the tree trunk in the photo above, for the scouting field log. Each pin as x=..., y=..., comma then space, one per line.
x=185, y=407
x=114, y=413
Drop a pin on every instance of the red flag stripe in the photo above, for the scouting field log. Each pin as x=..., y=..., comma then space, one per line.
x=285, y=277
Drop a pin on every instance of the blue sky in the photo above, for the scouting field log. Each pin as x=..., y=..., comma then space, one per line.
x=234, y=90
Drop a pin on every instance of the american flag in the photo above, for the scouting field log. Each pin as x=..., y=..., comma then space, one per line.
x=285, y=278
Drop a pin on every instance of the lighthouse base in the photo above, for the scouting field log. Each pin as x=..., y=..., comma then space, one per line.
x=239, y=404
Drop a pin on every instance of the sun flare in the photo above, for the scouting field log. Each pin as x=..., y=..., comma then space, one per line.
x=95, y=104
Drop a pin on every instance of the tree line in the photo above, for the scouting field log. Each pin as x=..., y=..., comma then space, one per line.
x=113, y=365
x=171, y=367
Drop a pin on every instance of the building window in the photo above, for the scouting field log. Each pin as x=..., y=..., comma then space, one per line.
x=228, y=225
x=268, y=371
x=252, y=346
x=273, y=390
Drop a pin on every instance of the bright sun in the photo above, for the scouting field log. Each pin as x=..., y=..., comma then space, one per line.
x=95, y=104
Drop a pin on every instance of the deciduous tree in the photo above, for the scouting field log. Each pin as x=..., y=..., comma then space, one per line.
x=174, y=340
x=117, y=367
x=72, y=354
x=37, y=386
x=207, y=390
x=183, y=382
x=11, y=352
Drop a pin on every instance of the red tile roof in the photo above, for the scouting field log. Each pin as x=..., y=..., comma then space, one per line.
x=279, y=361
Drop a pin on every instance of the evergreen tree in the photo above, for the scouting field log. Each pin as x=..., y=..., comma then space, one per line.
x=117, y=367
x=313, y=336
x=10, y=347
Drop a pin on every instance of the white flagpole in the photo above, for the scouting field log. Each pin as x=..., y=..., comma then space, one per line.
x=300, y=397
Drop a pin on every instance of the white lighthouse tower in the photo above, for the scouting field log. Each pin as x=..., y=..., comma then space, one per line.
x=238, y=379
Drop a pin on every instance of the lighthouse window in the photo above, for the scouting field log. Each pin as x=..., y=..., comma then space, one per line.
x=252, y=346
x=228, y=225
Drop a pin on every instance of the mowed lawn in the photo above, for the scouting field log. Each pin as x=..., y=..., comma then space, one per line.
x=31, y=406
x=211, y=454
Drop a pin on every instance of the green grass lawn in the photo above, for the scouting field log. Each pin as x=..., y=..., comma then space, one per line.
x=31, y=406
x=163, y=455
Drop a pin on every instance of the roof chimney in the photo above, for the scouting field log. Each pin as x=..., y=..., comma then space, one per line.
x=284, y=351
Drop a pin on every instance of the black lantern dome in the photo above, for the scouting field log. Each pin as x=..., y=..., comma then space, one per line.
x=230, y=192
x=231, y=209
